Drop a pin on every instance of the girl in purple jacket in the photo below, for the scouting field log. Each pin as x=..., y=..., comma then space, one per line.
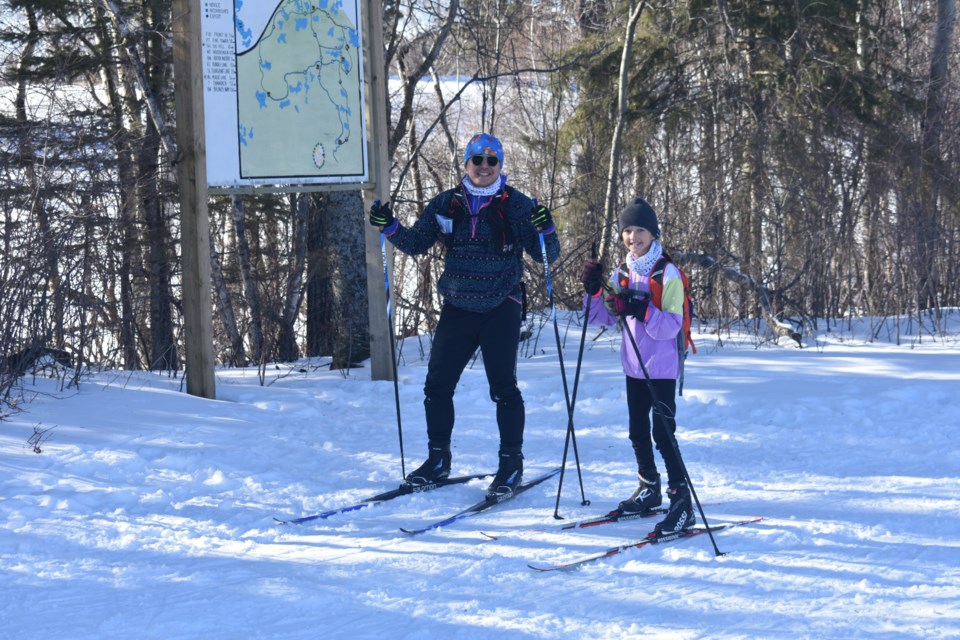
x=651, y=331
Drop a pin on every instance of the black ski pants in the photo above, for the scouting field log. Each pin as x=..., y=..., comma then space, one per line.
x=459, y=334
x=663, y=428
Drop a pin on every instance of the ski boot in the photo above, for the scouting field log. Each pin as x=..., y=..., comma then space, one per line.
x=436, y=467
x=681, y=515
x=509, y=475
x=646, y=497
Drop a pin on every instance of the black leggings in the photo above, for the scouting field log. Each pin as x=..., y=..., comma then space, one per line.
x=459, y=333
x=639, y=405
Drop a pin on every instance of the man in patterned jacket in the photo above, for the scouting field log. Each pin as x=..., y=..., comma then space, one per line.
x=485, y=226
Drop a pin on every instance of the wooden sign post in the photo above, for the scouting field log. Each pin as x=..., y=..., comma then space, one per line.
x=381, y=354
x=191, y=163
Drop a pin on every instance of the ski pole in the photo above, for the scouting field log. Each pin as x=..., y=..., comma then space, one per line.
x=673, y=437
x=570, y=433
x=393, y=349
x=563, y=376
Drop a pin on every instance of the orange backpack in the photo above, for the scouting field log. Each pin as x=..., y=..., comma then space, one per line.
x=684, y=339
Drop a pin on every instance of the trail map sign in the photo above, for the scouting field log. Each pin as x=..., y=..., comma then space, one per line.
x=283, y=93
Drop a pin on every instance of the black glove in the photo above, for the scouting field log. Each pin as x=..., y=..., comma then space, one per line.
x=592, y=277
x=381, y=215
x=628, y=306
x=541, y=218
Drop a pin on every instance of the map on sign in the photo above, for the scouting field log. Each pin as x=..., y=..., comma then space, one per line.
x=298, y=112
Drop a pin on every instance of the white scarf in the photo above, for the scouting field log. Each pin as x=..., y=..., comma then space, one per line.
x=474, y=190
x=642, y=265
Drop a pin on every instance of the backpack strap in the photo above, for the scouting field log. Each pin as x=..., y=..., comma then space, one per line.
x=623, y=276
x=501, y=230
x=656, y=294
x=456, y=211
x=656, y=280
x=659, y=266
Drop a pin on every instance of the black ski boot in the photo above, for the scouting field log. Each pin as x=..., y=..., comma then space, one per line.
x=436, y=467
x=646, y=497
x=509, y=475
x=681, y=515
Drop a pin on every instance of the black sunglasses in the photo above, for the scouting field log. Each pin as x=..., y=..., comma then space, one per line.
x=491, y=160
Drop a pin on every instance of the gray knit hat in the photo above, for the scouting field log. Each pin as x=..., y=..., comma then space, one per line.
x=640, y=214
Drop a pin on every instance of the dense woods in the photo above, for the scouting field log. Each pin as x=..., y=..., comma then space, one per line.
x=803, y=157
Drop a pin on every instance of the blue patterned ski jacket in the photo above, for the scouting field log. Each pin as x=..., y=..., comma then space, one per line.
x=484, y=239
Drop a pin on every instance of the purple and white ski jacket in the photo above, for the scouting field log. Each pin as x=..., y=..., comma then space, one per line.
x=656, y=334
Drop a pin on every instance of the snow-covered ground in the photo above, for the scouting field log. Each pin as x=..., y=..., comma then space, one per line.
x=148, y=513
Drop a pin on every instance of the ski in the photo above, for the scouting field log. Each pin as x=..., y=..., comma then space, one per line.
x=650, y=539
x=487, y=503
x=610, y=518
x=402, y=490
x=615, y=516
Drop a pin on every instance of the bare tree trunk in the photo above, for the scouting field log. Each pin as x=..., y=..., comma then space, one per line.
x=13, y=297
x=126, y=42
x=626, y=57
x=353, y=345
x=118, y=92
x=423, y=302
x=238, y=355
x=38, y=206
x=318, y=286
x=163, y=348
x=927, y=229
x=293, y=291
x=249, y=284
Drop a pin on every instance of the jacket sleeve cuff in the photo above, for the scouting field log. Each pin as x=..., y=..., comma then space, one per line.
x=391, y=228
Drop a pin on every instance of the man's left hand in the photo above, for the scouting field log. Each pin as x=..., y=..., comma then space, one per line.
x=541, y=218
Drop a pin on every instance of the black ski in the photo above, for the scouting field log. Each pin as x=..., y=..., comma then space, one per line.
x=652, y=538
x=483, y=505
x=615, y=516
x=402, y=490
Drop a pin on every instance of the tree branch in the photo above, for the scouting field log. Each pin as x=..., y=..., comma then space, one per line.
x=732, y=273
x=456, y=97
